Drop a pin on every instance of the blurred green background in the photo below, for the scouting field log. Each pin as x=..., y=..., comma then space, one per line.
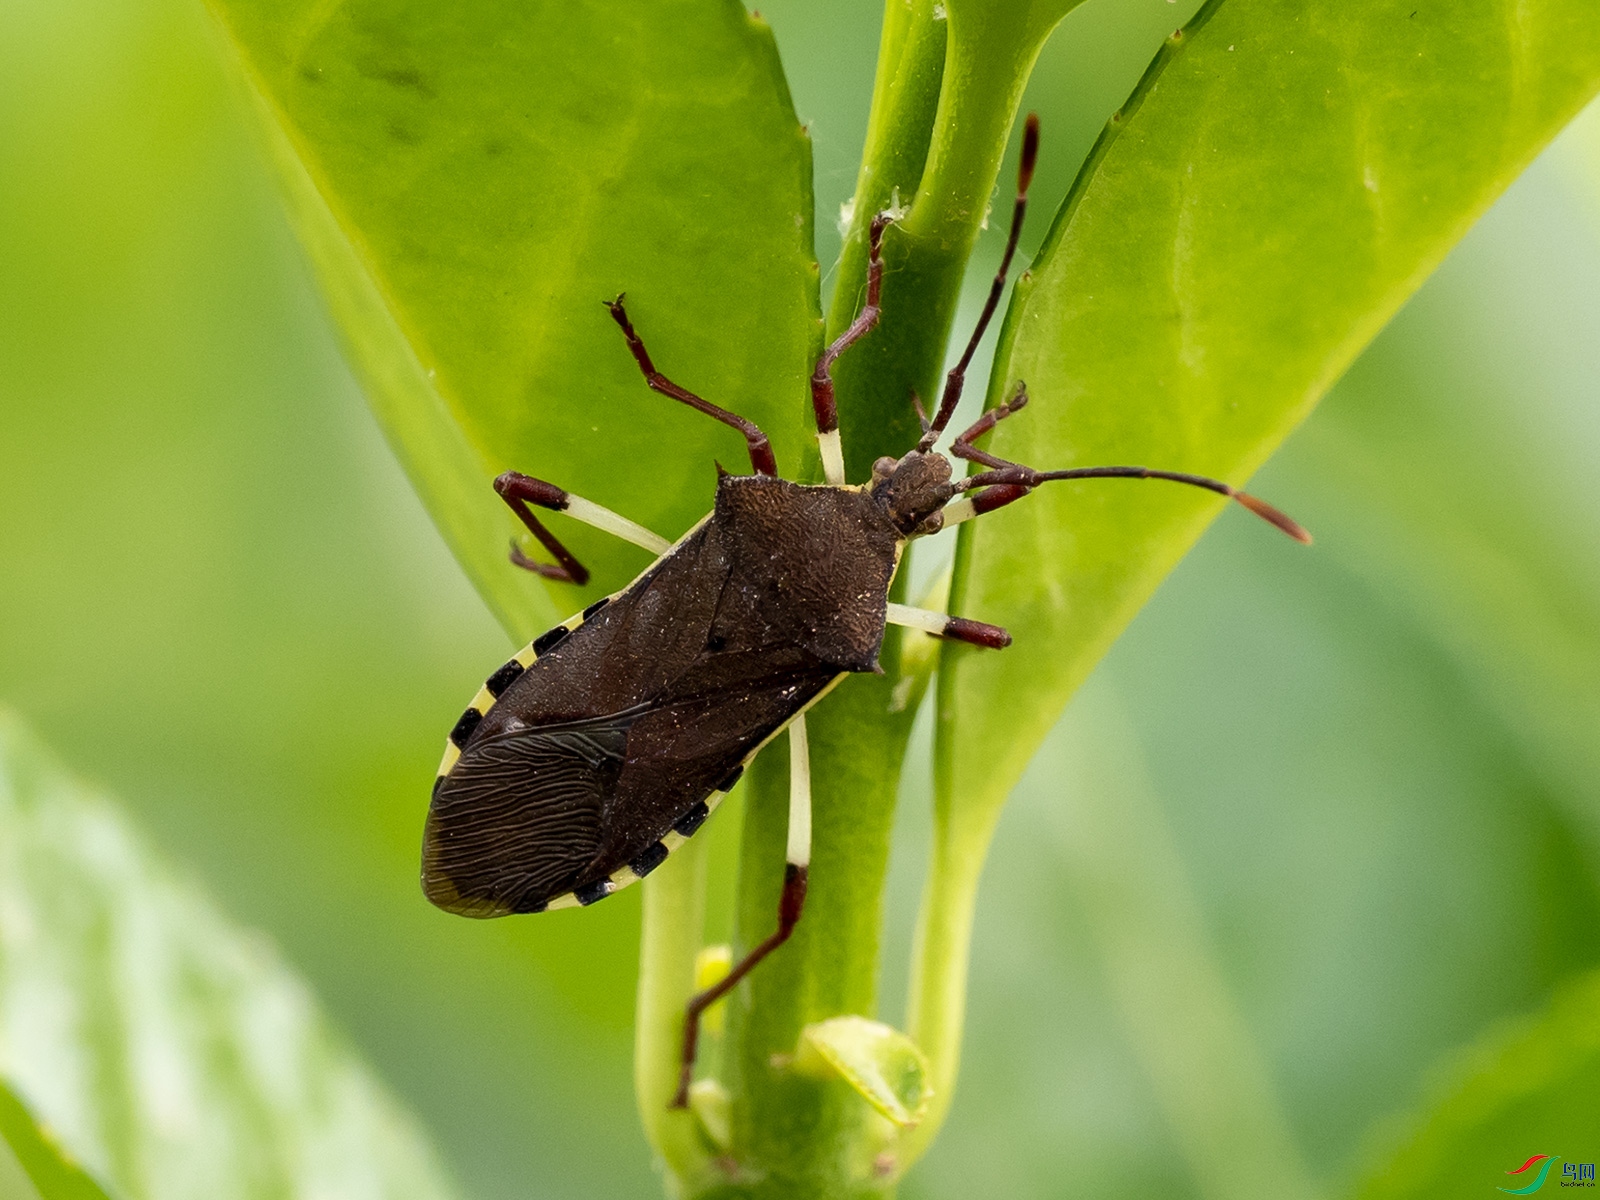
x=1320, y=818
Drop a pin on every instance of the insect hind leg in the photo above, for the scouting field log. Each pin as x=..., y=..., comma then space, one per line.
x=790, y=903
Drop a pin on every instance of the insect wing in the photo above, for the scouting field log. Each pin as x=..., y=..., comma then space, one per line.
x=520, y=815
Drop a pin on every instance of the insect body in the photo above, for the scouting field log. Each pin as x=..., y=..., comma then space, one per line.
x=617, y=732
x=586, y=759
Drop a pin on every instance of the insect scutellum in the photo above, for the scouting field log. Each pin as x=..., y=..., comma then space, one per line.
x=595, y=751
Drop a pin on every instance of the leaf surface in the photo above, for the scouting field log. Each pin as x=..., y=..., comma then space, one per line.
x=1282, y=179
x=474, y=180
x=882, y=1064
x=170, y=1051
x=1279, y=184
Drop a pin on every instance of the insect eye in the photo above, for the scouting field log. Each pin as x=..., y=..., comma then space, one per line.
x=884, y=467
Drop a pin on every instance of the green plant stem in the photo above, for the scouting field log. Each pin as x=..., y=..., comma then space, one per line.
x=875, y=378
x=936, y=1006
x=942, y=111
x=802, y=1137
x=674, y=918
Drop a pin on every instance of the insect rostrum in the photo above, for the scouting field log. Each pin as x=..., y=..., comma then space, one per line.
x=589, y=757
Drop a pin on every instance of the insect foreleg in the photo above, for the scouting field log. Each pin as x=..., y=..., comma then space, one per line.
x=963, y=447
x=957, y=629
x=790, y=903
x=822, y=402
x=761, y=456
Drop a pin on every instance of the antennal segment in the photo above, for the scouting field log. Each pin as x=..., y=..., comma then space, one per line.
x=1026, y=477
x=958, y=373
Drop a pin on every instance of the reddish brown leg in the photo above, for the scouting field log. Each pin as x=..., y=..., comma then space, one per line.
x=519, y=491
x=963, y=446
x=761, y=456
x=789, y=907
x=790, y=903
x=957, y=377
x=943, y=625
x=822, y=401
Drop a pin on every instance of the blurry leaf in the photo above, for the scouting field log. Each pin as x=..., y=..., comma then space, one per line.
x=1501, y=574
x=32, y=1166
x=173, y=1053
x=1505, y=591
x=878, y=1061
x=1382, y=868
x=473, y=180
x=1525, y=1089
x=1279, y=183
x=1125, y=871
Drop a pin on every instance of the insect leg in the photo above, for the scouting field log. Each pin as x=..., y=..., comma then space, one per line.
x=958, y=374
x=761, y=456
x=790, y=903
x=967, y=507
x=963, y=447
x=957, y=629
x=975, y=505
x=822, y=401
x=519, y=491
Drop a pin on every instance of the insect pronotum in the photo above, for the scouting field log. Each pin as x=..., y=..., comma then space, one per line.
x=598, y=749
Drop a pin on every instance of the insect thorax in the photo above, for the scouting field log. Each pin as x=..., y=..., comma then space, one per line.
x=811, y=567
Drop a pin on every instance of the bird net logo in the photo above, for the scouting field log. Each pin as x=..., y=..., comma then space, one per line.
x=1534, y=1172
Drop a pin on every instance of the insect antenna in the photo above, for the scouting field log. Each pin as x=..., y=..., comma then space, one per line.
x=1026, y=478
x=958, y=374
x=1006, y=481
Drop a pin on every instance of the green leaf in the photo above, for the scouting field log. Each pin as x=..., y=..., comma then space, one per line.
x=1279, y=183
x=882, y=1064
x=172, y=1052
x=32, y=1165
x=474, y=179
x=1524, y=1089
